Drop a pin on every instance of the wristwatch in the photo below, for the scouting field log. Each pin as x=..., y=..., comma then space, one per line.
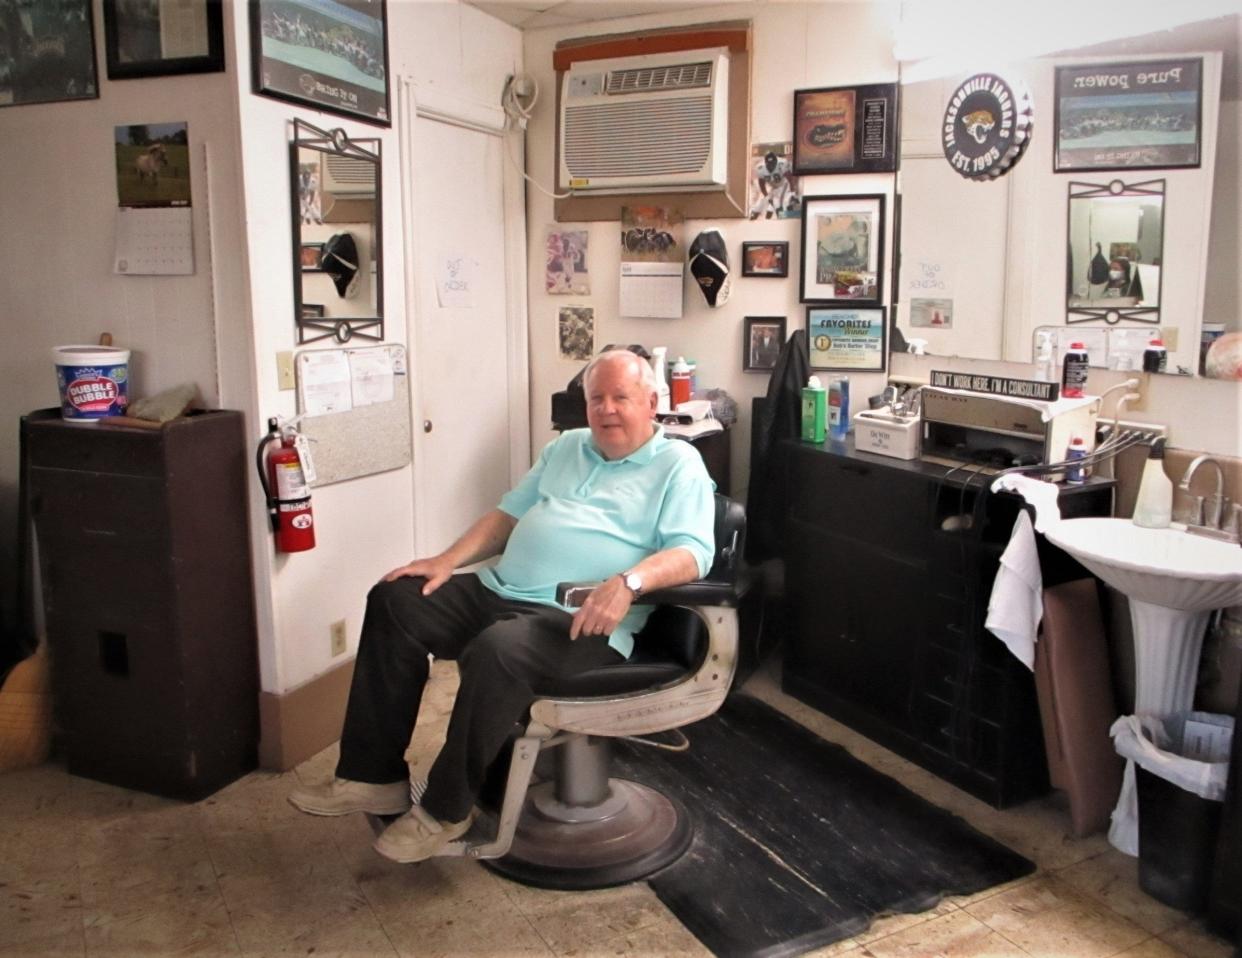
x=634, y=582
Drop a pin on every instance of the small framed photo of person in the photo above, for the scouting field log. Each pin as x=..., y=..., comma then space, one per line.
x=310, y=257
x=762, y=339
x=765, y=259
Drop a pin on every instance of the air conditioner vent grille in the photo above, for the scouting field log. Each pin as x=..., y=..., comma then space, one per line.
x=346, y=171
x=639, y=139
x=676, y=76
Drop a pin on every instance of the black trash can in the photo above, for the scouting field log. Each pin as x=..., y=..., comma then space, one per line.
x=1177, y=841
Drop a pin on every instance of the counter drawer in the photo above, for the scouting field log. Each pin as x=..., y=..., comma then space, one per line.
x=858, y=500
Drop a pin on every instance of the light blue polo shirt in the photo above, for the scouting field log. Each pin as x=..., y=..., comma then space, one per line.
x=582, y=517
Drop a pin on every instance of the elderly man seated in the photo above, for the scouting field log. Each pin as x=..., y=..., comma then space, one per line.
x=618, y=503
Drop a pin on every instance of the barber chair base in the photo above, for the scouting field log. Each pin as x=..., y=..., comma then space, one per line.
x=643, y=831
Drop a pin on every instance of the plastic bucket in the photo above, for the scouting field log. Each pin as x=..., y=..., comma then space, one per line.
x=93, y=382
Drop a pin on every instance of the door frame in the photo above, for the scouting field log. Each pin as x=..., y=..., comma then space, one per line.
x=442, y=108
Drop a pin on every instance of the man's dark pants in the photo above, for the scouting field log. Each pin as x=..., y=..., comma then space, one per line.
x=508, y=653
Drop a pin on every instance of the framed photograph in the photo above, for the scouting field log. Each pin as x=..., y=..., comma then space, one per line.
x=1122, y=116
x=765, y=259
x=762, y=339
x=47, y=52
x=151, y=38
x=843, y=249
x=844, y=339
x=332, y=55
x=845, y=129
x=310, y=257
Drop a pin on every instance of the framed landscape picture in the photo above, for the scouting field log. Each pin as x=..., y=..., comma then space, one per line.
x=843, y=249
x=846, y=129
x=1145, y=114
x=331, y=55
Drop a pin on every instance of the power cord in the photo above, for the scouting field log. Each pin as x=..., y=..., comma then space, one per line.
x=518, y=100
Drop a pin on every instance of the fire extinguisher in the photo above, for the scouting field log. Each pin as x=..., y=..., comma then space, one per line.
x=285, y=485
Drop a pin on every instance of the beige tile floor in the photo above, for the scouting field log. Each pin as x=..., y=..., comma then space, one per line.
x=89, y=869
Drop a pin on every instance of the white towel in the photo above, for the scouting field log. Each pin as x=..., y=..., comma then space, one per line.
x=1042, y=495
x=1017, y=605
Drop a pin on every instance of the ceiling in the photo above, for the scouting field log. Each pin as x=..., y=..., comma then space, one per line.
x=533, y=14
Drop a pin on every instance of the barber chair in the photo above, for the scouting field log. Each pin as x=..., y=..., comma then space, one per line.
x=580, y=828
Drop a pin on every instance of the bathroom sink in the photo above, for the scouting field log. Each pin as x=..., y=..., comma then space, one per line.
x=1164, y=567
x=1173, y=581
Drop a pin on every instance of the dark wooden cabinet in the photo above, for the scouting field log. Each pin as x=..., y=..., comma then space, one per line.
x=144, y=559
x=888, y=569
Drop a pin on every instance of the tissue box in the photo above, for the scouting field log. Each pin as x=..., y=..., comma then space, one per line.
x=880, y=432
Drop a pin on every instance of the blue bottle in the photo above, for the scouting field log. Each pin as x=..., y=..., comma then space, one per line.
x=839, y=407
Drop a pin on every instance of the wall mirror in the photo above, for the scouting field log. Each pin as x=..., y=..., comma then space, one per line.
x=983, y=265
x=338, y=262
x=1116, y=248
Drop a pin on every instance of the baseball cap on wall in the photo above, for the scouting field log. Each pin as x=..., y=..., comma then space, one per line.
x=709, y=264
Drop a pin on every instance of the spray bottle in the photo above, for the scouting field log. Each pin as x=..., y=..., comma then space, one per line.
x=1045, y=365
x=659, y=363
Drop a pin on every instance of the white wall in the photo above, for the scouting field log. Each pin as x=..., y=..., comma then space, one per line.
x=364, y=526
x=221, y=327
x=796, y=45
x=799, y=45
x=57, y=217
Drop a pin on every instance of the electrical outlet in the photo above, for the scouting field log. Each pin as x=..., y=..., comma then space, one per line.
x=337, y=630
x=284, y=371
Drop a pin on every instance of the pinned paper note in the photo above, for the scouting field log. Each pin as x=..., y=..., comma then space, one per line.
x=324, y=381
x=455, y=280
x=371, y=374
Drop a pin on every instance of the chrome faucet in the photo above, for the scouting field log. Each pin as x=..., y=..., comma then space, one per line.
x=1210, y=511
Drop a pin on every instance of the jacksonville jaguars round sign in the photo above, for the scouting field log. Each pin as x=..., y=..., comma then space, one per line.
x=987, y=126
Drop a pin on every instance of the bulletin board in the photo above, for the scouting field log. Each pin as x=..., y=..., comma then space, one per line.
x=355, y=405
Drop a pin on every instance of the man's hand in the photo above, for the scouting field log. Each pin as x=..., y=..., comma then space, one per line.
x=603, y=610
x=437, y=571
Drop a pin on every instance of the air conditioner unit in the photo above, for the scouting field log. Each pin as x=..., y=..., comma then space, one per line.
x=348, y=175
x=655, y=123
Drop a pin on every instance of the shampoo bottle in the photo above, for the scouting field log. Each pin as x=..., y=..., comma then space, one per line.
x=814, y=411
x=839, y=407
x=1074, y=371
x=1154, y=507
x=679, y=382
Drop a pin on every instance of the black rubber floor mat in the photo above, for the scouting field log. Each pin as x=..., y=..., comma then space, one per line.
x=798, y=844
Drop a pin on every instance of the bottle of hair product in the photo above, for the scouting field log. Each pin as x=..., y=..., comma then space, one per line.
x=694, y=377
x=1075, y=471
x=659, y=361
x=1155, y=357
x=679, y=382
x=1154, y=506
x=1045, y=365
x=1074, y=371
x=814, y=411
x=839, y=407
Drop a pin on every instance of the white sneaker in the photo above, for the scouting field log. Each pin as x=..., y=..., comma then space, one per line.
x=340, y=796
x=418, y=835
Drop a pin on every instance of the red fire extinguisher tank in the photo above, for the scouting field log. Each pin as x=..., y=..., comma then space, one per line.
x=288, y=495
